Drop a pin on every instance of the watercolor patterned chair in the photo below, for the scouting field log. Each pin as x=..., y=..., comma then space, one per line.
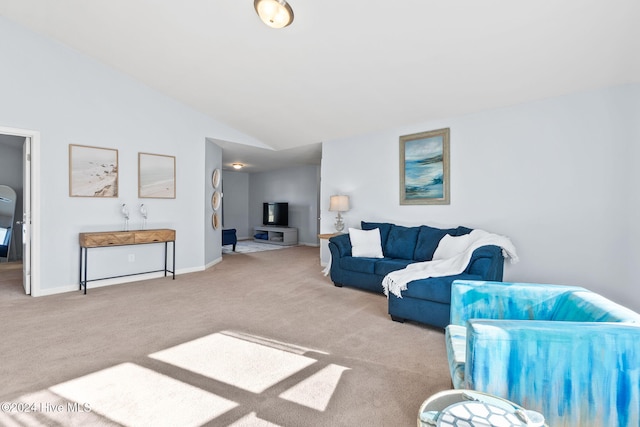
x=563, y=351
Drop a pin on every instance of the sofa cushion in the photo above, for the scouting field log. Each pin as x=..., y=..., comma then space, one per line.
x=461, y=231
x=429, y=237
x=384, y=228
x=361, y=265
x=365, y=243
x=456, y=342
x=401, y=242
x=435, y=288
x=387, y=265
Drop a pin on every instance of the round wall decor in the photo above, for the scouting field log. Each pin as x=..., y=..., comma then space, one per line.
x=216, y=199
x=215, y=178
x=215, y=221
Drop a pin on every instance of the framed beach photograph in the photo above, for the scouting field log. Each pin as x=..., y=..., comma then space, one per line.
x=156, y=176
x=93, y=171
x=424, y=168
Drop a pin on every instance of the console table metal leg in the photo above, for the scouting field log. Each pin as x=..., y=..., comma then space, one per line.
x=80, y=272
x=174, y=260
x=86, y=255
x=165, y=258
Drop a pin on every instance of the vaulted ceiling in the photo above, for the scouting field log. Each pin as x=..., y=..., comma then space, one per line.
x=349, y=67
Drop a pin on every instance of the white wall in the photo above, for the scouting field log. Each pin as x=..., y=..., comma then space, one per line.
x=632, y=196
x=236, y=203
x=558, y=176
x=299, y=187
x=71, y=99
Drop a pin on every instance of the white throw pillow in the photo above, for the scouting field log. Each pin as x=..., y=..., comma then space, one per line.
x=450, y=246
x=365, y=243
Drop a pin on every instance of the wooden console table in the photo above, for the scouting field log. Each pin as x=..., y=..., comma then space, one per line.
x=121, y=238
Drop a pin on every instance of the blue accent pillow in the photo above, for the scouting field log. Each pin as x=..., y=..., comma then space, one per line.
x=401, y=242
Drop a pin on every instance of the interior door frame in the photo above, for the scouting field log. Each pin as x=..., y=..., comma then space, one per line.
x=33, y=139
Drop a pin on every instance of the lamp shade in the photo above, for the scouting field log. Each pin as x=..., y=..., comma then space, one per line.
x=274, y=13
x=339, y=203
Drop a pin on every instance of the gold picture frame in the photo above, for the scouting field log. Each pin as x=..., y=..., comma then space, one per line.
x=156, y=176
x=93, y=171
x=424, y=168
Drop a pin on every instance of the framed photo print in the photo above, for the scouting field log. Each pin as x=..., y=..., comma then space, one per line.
x=156, y=176
x=93, y=171
x=424, y=168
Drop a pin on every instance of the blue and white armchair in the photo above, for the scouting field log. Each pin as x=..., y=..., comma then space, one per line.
x=563, y=351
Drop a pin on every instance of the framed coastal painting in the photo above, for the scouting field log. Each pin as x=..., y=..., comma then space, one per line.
x=424, y=168
x=93, y=171
x=156, y=176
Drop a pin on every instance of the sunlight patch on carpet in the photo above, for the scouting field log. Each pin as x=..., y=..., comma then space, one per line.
x=247, y=365
x=252, y=420
x=48, y=409
x=291, y=348
x=132, y=396
x=315, y=392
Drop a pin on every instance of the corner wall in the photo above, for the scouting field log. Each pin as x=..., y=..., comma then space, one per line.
x=557, y=176
x=71, y=99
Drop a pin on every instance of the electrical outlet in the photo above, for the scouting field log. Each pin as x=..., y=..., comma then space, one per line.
x=132, y=257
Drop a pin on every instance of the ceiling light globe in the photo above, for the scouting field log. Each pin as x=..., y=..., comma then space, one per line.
x=274, y=13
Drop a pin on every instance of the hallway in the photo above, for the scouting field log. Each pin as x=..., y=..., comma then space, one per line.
x=11, y=280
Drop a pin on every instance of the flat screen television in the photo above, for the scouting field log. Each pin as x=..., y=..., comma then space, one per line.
x=275, y=214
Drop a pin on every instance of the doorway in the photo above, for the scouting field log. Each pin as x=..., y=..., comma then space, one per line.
x=20, y=168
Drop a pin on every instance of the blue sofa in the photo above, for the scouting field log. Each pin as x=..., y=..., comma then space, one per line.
x=427, y=300
x=563, y=351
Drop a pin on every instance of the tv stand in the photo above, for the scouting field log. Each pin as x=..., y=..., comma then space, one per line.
x=285, y=236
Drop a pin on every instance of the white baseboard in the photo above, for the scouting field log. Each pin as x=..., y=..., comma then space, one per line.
x=212, y=263
x=121, y=280
x=313, y=245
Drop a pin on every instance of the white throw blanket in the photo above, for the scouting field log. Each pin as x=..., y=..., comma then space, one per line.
x=463, y=247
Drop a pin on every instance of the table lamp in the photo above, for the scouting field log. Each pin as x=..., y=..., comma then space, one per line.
x=339, y=204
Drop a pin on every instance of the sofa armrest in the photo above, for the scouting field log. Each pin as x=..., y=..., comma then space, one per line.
x=503, y=300
x=340, y=246
x=575, y=373
x=487, y=262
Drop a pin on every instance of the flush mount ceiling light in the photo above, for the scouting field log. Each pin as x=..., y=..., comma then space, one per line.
x=274, y=13
x=237, y=165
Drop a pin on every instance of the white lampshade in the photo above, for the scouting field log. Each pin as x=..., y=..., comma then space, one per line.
x=274, y=13
x=339, y=204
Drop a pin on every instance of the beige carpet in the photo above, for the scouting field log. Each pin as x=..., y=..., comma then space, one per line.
x=261, y=339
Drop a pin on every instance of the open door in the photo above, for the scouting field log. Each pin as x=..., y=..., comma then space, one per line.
x=8, y=199
x=26, y=217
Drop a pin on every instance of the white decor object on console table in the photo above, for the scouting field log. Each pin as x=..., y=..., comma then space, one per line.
x=285, y=236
